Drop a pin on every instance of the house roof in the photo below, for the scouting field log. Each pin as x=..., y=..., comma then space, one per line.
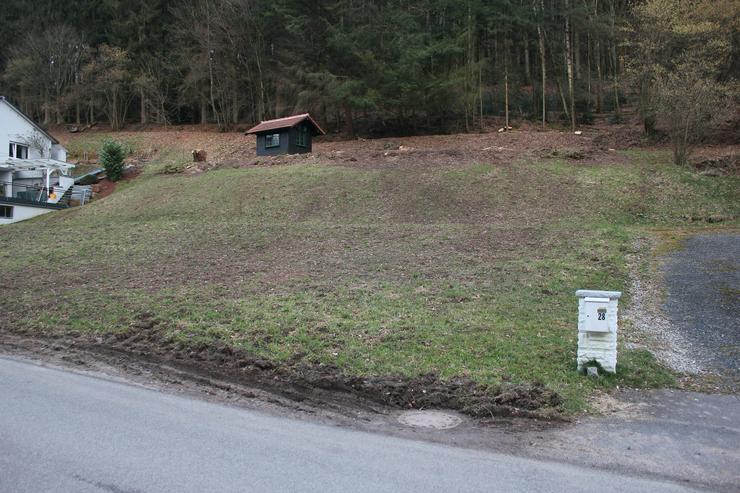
x=29, y=120
x=287, y=122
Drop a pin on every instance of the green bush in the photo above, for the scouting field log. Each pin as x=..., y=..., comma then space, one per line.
x=111, y=157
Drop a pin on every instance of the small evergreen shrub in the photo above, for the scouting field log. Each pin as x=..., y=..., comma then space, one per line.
x=111, y=157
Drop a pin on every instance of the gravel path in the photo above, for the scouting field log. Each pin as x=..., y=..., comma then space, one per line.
x=703, y=302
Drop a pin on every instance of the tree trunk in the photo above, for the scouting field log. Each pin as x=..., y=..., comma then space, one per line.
x=480, y=92
x=506, y=84
x=569, y=66
x=47, y=109
x=541, y=35
x=142, y=107
x=527, y=70
x=203, y=110
x=469, y=106
x=114, y=110
x=597, y=58
x=588, y=70
x=577, y=55
x=350, y=125
x=566, y=110
x=617, y=108
x=234, y=106
x=599, y=77
x=615, y=61
x=210, y=66
x=78, y=106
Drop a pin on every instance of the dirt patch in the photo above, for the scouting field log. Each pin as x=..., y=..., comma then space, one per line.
x=604, y=404
x=103, y=188
x=319, y=384
x=453, y=151
x=619, y=136
x=717, y=161
x=593, y=145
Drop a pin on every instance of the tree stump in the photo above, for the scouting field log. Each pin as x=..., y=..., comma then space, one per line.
x=199, y=156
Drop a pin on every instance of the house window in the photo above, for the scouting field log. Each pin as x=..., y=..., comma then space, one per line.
x=302, y=138
x=272, y=140
x=6, y=211
x=18, y=151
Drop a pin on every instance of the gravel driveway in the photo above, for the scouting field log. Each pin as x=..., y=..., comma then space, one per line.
x=703, y=302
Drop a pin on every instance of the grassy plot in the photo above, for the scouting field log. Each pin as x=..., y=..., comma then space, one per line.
x=464, y=271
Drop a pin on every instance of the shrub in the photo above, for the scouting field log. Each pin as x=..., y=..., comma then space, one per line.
x=111, y=157
x=173, y=168
x=688, y=103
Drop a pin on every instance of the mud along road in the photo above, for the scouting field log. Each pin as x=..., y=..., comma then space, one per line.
x=63, y=431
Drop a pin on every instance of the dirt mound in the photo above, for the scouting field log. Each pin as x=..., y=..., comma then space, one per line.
x=318, y=383
x=621, y=136
x=717, y=164
x=429, y=391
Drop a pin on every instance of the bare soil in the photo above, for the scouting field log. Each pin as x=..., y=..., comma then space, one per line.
x=233, y=149
x=323, y=386
x=448, y=151
x=720, y=160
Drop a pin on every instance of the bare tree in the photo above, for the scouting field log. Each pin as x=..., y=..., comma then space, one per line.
x=688, y=103
x=110, y=77
x=152, y=84
x=36, y=140
x=210, y=62
x=45, y=66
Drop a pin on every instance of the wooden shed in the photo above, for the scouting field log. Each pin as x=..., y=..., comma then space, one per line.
x=289, y=135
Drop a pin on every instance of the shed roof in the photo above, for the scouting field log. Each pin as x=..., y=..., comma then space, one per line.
x=287, y=122
x=29, y=120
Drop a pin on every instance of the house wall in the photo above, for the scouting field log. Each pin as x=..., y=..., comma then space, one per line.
x=288, y=139
x=22, y=212
x=294, y=147
x=284, y=147
x=15, y=128
x=58, y=152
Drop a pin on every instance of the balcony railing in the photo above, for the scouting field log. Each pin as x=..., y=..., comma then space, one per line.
x=28, y=195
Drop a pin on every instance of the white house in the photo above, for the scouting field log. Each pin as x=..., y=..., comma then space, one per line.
x=34, y=174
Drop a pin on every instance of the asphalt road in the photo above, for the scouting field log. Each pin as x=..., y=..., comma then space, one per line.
x=63, y=431
x=703, y=303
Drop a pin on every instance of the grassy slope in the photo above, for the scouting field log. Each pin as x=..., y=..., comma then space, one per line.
x=468, y=271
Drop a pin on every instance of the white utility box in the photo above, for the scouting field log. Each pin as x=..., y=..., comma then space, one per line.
x=597, y=328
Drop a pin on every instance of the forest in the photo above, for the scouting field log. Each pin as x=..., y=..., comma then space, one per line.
x=369, y=67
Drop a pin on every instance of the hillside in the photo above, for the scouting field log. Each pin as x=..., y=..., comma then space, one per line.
x=452, y=255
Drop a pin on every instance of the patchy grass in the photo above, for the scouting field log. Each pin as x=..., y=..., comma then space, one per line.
x=462, y=271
